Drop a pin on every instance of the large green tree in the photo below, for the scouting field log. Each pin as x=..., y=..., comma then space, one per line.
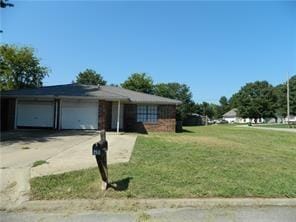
x=20, y=68
x=281, y=92
x=140, y=82
x=224, y=105
x=256, y=100
x=180, y=92
x=90, y=77
x=233, y=101
x=208, y=109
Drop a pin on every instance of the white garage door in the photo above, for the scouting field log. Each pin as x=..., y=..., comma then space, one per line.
x=79, y=115
x=35, y=113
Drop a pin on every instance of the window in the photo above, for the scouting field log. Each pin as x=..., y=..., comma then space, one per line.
x=147, y=113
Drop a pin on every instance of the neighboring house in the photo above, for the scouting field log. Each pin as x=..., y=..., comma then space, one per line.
x=292, y=118
x=233, y=117
x=76, y=106
x=194, y=119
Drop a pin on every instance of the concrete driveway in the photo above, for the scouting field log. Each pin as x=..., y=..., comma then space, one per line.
x=63, y=151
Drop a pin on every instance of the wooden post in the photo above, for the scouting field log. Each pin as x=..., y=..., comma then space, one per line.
x=288, y=100
x=102, y=159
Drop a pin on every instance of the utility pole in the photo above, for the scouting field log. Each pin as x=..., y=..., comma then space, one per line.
x=288, y=100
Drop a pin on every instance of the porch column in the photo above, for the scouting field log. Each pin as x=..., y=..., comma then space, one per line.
x=118, y=117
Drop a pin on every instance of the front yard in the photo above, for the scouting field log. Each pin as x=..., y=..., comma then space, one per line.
x=213, y=161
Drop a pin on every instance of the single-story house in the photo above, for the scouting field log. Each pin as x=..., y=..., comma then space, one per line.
x=194, y=119
x=77, y=106
x=291, y=119
x=233, y=117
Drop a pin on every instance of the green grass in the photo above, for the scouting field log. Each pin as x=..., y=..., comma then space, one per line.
x=213, y=161
x=39, y=162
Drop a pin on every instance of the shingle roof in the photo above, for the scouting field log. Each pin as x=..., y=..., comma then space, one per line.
x=90, y=91
x=231, y=113
x=139, y=97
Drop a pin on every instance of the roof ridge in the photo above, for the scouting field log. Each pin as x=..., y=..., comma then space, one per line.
x=147, y=94
x=118, y=94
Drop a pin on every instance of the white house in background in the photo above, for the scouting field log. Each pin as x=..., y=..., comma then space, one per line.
x=232, y=117
x=292, y=118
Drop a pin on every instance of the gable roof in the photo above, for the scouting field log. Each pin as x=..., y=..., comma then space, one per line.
x=231, y=113
x=110, y=93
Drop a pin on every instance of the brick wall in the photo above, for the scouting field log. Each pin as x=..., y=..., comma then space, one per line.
x=105, y=112
x=7, y=114
x=166, y=119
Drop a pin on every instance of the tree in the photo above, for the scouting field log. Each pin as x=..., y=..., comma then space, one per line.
x=20, y=68
x=208, y=109
x=90, y=77
x=281, y=93
x=233, y=101
x=256, y=100
x=180, y=92
x=140, y=82
x=224, y=104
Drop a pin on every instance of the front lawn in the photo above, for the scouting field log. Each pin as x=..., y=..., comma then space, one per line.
x=212, y=161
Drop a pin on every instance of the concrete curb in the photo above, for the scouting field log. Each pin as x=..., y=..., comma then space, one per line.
x=107, y=204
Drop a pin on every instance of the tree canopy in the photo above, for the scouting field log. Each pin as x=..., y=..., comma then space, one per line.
x=140, y=82
x=281, y=93
x=177, y=91
x=90, y=77
x=257, y=100
x=20, y=68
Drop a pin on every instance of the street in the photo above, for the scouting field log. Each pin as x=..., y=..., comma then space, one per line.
x=217, y=214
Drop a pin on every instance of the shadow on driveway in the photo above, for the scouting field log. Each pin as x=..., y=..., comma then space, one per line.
x=39, y=135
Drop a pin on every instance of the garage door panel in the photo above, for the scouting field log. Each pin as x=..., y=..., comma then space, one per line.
x=79, y=115
x=35, y=114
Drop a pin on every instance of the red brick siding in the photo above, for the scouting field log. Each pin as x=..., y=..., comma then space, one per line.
x=105, y=112
x=166, y=119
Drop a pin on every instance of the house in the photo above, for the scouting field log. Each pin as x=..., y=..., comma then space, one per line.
x=194, y=119
x=291, y=119
x=76, y=106
x=233, y=117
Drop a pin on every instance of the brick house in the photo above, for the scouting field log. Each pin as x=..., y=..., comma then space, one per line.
x=76, y=106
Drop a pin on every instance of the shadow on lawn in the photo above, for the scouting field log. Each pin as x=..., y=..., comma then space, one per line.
x=120, y=185
x=185, y=131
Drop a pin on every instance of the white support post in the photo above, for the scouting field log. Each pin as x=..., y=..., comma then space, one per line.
x=118, y=117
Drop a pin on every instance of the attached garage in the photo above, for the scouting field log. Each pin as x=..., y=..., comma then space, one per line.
x=78, y=106
x=79, y=114
x=35, y=113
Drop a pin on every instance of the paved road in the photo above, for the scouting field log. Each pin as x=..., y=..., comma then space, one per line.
x=292, y=130
x=229, y=214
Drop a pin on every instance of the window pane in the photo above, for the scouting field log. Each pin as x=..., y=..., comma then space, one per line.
x=147, y=113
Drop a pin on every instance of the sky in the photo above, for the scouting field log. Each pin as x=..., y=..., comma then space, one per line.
x=214, y=47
